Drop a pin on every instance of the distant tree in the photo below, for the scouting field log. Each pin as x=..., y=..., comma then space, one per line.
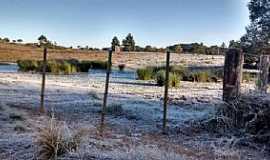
x=105, y=49
x=176, y=48
x=14, y=41
x=223, y=45
x=148, y=48
x=234, y=44
x=6, y=40
x=162, y=50
x=115, y=42
x=198, y=48
x=257, y=38
x=42, y=40
x=19, y=40
x=139, y=49
x=129, y=43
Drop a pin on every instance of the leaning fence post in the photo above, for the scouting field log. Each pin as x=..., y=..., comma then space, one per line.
x=166, y=92
x=232, y=74
x=44, y=67
x=109, y=64
x=264, y=72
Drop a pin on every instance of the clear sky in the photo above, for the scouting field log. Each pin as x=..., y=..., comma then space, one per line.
x=95, y=22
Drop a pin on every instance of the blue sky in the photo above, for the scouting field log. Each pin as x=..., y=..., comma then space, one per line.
x=95, y=22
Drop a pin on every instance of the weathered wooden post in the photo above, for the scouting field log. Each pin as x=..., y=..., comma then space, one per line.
x=264, y=73
x=232, y=74
x=109, y=64
x=44, y=67
x=166, y=92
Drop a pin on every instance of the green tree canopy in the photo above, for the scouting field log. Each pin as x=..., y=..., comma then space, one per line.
x=42, y=39
x=6, y=40
x=176, y=48
x=115, y=42
x=129, y=43
x=257, y=37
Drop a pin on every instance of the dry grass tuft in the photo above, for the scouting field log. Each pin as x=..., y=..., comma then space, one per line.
x=55, y=139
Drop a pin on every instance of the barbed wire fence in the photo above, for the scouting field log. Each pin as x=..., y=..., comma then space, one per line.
x=233, y=83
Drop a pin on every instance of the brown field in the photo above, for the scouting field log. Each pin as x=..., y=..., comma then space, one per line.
x=14, y=52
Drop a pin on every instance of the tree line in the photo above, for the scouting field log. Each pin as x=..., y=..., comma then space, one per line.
x=256, y=40
x=129, y=45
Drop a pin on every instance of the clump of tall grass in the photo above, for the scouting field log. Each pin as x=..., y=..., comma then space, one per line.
x=55, y=139
x=174, y=80
x=28, y=65
x=98, y=65
x=161, y=78
x=145, y=73
x=115, y=109
x=84, y=66
x=200, y=76
x=61, y=66
x=179, y=70
x=181, y=73
x=203, y=76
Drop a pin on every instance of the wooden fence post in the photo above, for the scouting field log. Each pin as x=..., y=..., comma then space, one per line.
x=109, y=64
x=232, y=74
x=264, y=73
x=44, y=67
x=166, y=92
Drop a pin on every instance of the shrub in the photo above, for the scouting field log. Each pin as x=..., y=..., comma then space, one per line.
x=74, y=62
x=121, y=67
x=84, y=66
x=54, y=139
x=145, y=73
x=58, y=67
x=28, y=65
x=98, y=65
x=67, y=68
x=20, y=128
x=160, y=78
x=180, y=70
x=53, y=67
x=115, y=109
x=16, y=117
x=200, y=76
x=174, y=80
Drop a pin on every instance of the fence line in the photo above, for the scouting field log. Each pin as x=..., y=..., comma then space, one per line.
x=44, y=67
x=166, y=92
x=109, y=65
x=231, y=82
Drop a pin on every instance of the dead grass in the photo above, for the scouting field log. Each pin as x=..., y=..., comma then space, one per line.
x=16, y=117
x=134, y=60
x=14, y=52
x=55, y=139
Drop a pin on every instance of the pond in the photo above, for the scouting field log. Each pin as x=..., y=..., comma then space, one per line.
x=8, y=68
x=97, y=73
x=115, y=74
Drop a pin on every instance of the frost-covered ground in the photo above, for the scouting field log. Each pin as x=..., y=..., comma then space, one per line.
x=133, y=134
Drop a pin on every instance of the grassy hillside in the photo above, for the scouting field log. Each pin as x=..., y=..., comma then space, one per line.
x=13, y=52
